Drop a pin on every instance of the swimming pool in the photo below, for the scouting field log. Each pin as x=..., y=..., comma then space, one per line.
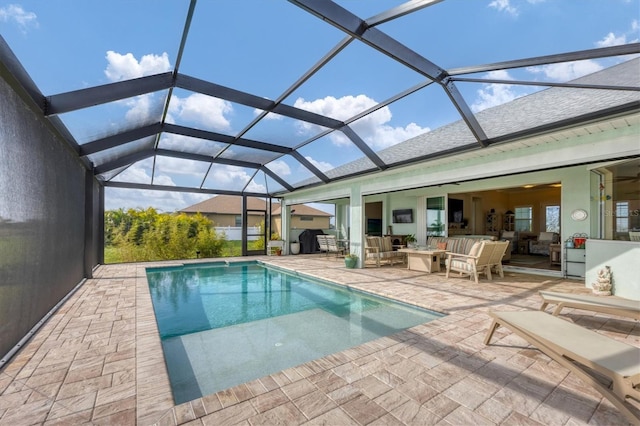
x=223, y=324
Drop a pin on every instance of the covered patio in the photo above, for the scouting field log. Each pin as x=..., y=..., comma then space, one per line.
x=98, y=360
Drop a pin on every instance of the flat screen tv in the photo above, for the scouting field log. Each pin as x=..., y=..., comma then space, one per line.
x=403, y=216
x=455, y=210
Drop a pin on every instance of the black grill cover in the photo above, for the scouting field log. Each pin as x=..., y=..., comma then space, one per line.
x=308, y=241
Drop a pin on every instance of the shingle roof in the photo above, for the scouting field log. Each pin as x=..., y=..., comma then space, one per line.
x=552, y=105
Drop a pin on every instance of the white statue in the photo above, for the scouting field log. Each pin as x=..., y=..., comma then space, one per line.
x=602, y=286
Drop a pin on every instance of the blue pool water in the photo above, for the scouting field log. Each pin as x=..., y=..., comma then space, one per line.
x=225, y=324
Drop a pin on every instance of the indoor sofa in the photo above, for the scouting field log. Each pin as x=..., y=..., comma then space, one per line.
x=542, y=243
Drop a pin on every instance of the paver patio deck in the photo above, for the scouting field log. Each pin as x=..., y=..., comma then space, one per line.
x=98, y=360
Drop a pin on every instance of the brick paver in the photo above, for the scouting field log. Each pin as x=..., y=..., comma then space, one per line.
x=99, y=360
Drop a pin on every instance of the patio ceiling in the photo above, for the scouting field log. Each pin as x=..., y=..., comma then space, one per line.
x=253, y=154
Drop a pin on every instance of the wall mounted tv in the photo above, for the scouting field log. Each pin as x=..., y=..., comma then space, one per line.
x=456, y=210
x=403, y=216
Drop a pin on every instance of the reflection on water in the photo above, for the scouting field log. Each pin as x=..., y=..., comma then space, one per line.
x=187, y=300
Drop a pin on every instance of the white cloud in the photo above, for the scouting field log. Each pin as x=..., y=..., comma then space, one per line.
x=202, y=110
x=566, y=71
x=612, y=40
x=493, y=94
x=181, y=142
x=205, y=111
x=504, y=6
x=269, y=116
x=137, y=173
x=139, y=108
x=182, y=167
x=125, y=67
x=15, y=13
x=164, y=180
x=373, y=128
x=323, y=166
x=164, y=201
x=279, y=167
x=616, y=40
x=232, y=178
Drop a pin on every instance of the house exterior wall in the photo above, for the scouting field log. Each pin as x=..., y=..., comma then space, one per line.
x=230, y=219
x=316, y=222
x=565, y=157
x=44, y=251
x=221, y=219
x=620, y=256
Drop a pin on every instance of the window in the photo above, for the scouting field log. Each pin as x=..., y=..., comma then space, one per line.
x=524, y=219
x=238, y=220
x=615, y=196
x=306, y=218
x=435, y=216
x=622, y=216
x=552, y=219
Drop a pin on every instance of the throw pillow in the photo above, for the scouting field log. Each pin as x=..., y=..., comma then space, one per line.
x=475, y=248
x=442, y=246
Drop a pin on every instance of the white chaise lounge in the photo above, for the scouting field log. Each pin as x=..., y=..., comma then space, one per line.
x=612, y=367
x=608, y=305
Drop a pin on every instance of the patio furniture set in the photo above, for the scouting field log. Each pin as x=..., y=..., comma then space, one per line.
x=466, y=256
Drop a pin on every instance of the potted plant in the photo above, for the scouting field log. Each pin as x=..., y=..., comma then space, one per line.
x=350, y=260
x=295, y=247
x=410, y=240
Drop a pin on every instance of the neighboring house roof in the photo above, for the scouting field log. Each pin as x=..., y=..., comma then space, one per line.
x=301, y=210
x=231, y=204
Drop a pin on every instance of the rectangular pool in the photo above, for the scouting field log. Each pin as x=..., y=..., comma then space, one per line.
x=223, y=324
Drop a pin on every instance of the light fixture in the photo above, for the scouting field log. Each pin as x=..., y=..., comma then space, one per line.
x=528, y=186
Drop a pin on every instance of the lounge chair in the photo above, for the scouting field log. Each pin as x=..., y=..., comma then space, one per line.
x=608, y=305
x=332, y=246
x=592, y=356
x=482, y=257
x=323, y=245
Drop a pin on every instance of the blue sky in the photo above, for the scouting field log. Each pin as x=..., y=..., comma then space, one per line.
x=263, y=46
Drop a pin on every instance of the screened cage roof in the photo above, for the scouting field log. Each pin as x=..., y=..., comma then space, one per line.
x=263, y=98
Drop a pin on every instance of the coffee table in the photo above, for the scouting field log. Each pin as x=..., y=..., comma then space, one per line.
x=423, y=260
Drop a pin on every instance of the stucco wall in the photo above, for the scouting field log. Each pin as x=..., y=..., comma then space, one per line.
x=622, y=257
x=42, y=219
